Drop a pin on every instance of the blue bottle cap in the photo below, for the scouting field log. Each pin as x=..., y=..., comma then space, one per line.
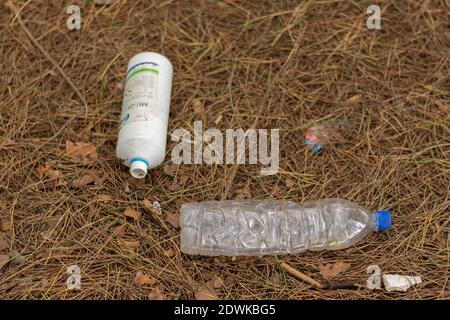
x=383, y=220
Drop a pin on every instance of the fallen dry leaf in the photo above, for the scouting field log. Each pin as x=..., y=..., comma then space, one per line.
x=217, y=282
x=54, y=174
x=48, y=172
x=157, y=294
x=83, y=152
x=205, y=293
x=173, y=219
x=130, y=245
x=103, y=198
x=170, y=169
x=2, y=205
x=332, y=270
x=119, y=231
x=85, y=180
x=131, y=213
x=183, y=179
x=229, y=281
x=142, y=279
x=174, y=186
x=170, y=252
x=41, y=170
x=243, y=193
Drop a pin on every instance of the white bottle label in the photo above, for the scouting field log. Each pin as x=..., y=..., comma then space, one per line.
x=139, y=102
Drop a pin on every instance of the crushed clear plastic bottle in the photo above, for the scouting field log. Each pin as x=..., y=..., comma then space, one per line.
x=275, y=227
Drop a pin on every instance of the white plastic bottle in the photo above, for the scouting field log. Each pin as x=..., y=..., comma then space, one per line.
x=275, y=227
x=142, y=137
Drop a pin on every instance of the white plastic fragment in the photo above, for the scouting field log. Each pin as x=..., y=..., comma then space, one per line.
x=396, y=282
x=157, y=206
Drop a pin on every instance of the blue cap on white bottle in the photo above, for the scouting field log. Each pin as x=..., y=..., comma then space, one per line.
x=138, y=167
x=383, y=220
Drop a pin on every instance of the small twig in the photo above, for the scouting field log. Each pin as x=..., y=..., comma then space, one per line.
x=341, y=285
x=301, y=275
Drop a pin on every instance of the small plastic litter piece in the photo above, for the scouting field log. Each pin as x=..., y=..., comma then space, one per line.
x=396, y=282
x=317, y=137
x=314, y=138
x=157, y=206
